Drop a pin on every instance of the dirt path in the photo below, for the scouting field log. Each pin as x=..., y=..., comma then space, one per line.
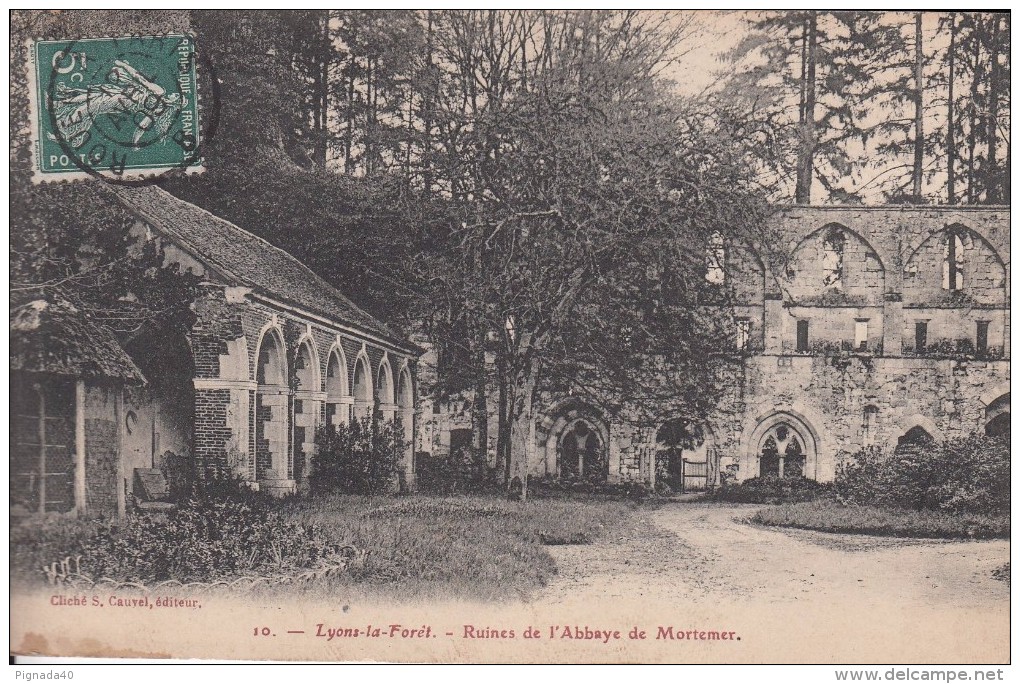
x=791, y=595
x=703, y=553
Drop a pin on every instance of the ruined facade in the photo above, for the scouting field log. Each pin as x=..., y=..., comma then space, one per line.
x=881, y=325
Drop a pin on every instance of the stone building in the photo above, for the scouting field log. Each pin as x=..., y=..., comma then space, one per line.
x=881, y=326
x=275, y=352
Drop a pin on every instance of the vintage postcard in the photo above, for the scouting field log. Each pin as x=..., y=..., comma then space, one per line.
x=511, y=336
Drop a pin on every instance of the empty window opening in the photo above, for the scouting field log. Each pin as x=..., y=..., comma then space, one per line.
x=782, y=453
x=954, y=259
x=832, y=258
x=861, y=334
x=802, y=336
x=982, y=337
x=920, y=336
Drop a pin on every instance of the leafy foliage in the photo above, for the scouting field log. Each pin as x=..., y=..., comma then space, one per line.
x=959, y=475
x=202, y=539
x=771, y=490
x=360, y=457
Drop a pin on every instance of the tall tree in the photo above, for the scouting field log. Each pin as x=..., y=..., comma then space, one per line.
x=576, y=186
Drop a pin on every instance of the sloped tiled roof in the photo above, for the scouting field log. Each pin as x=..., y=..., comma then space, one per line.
x=50, y=335
x=246, y=259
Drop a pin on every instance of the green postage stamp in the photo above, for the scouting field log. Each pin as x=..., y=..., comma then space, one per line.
x=116, y=108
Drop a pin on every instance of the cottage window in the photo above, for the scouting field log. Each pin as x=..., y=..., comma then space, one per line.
x=42, y=446
x=715, y=259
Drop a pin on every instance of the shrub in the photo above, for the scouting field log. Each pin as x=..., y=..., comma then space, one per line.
x=459, y=472
x=771, y=490
x=203, y=539
x=959, y=475
x=356, y=458
x=566, y=487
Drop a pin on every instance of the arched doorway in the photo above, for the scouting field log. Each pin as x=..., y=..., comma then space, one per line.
x=681, y=456
x=272, y=410
x=405, y=416
x=364, y=402
x=582, y=453
x=997, y=414
x=384, y=392
x=338, y=393
x=307, y=395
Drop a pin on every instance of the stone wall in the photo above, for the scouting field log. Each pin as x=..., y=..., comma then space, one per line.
x=850, y=273
x=102, y=446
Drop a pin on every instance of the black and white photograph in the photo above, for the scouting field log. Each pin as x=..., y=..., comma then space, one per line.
x=512, y=336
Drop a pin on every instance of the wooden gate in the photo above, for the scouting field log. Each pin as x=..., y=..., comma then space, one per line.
x=695, y=476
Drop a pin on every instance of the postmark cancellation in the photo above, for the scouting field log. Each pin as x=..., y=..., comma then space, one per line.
x=122, y=109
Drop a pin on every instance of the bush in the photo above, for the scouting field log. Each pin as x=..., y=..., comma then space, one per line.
x=567, y=487
x=356, y=458
x=771, y=490
x=459, y=472
x=203, y=539
x=959, y=475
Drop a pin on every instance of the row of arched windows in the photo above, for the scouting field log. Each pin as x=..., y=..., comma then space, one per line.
x=287, y=414
x=954, y=245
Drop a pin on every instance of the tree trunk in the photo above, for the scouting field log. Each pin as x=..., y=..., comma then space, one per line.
x=349, y=137
x=480, y=404
x=951, y=116
x=521, y=423
x=503, y=428
x=992, y=173
x=918, y=108
x=806, y=152
x=972, y=132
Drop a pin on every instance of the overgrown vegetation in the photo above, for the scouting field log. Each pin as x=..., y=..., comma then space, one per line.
x=204, y=538
x=361, y=457
x=959, y=475
x=953, y=489
x=771, y=490
x=454, y=547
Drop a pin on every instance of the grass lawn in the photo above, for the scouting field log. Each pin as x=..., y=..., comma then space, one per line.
x=827, y=515
x=460, y=547
x=466, y=547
